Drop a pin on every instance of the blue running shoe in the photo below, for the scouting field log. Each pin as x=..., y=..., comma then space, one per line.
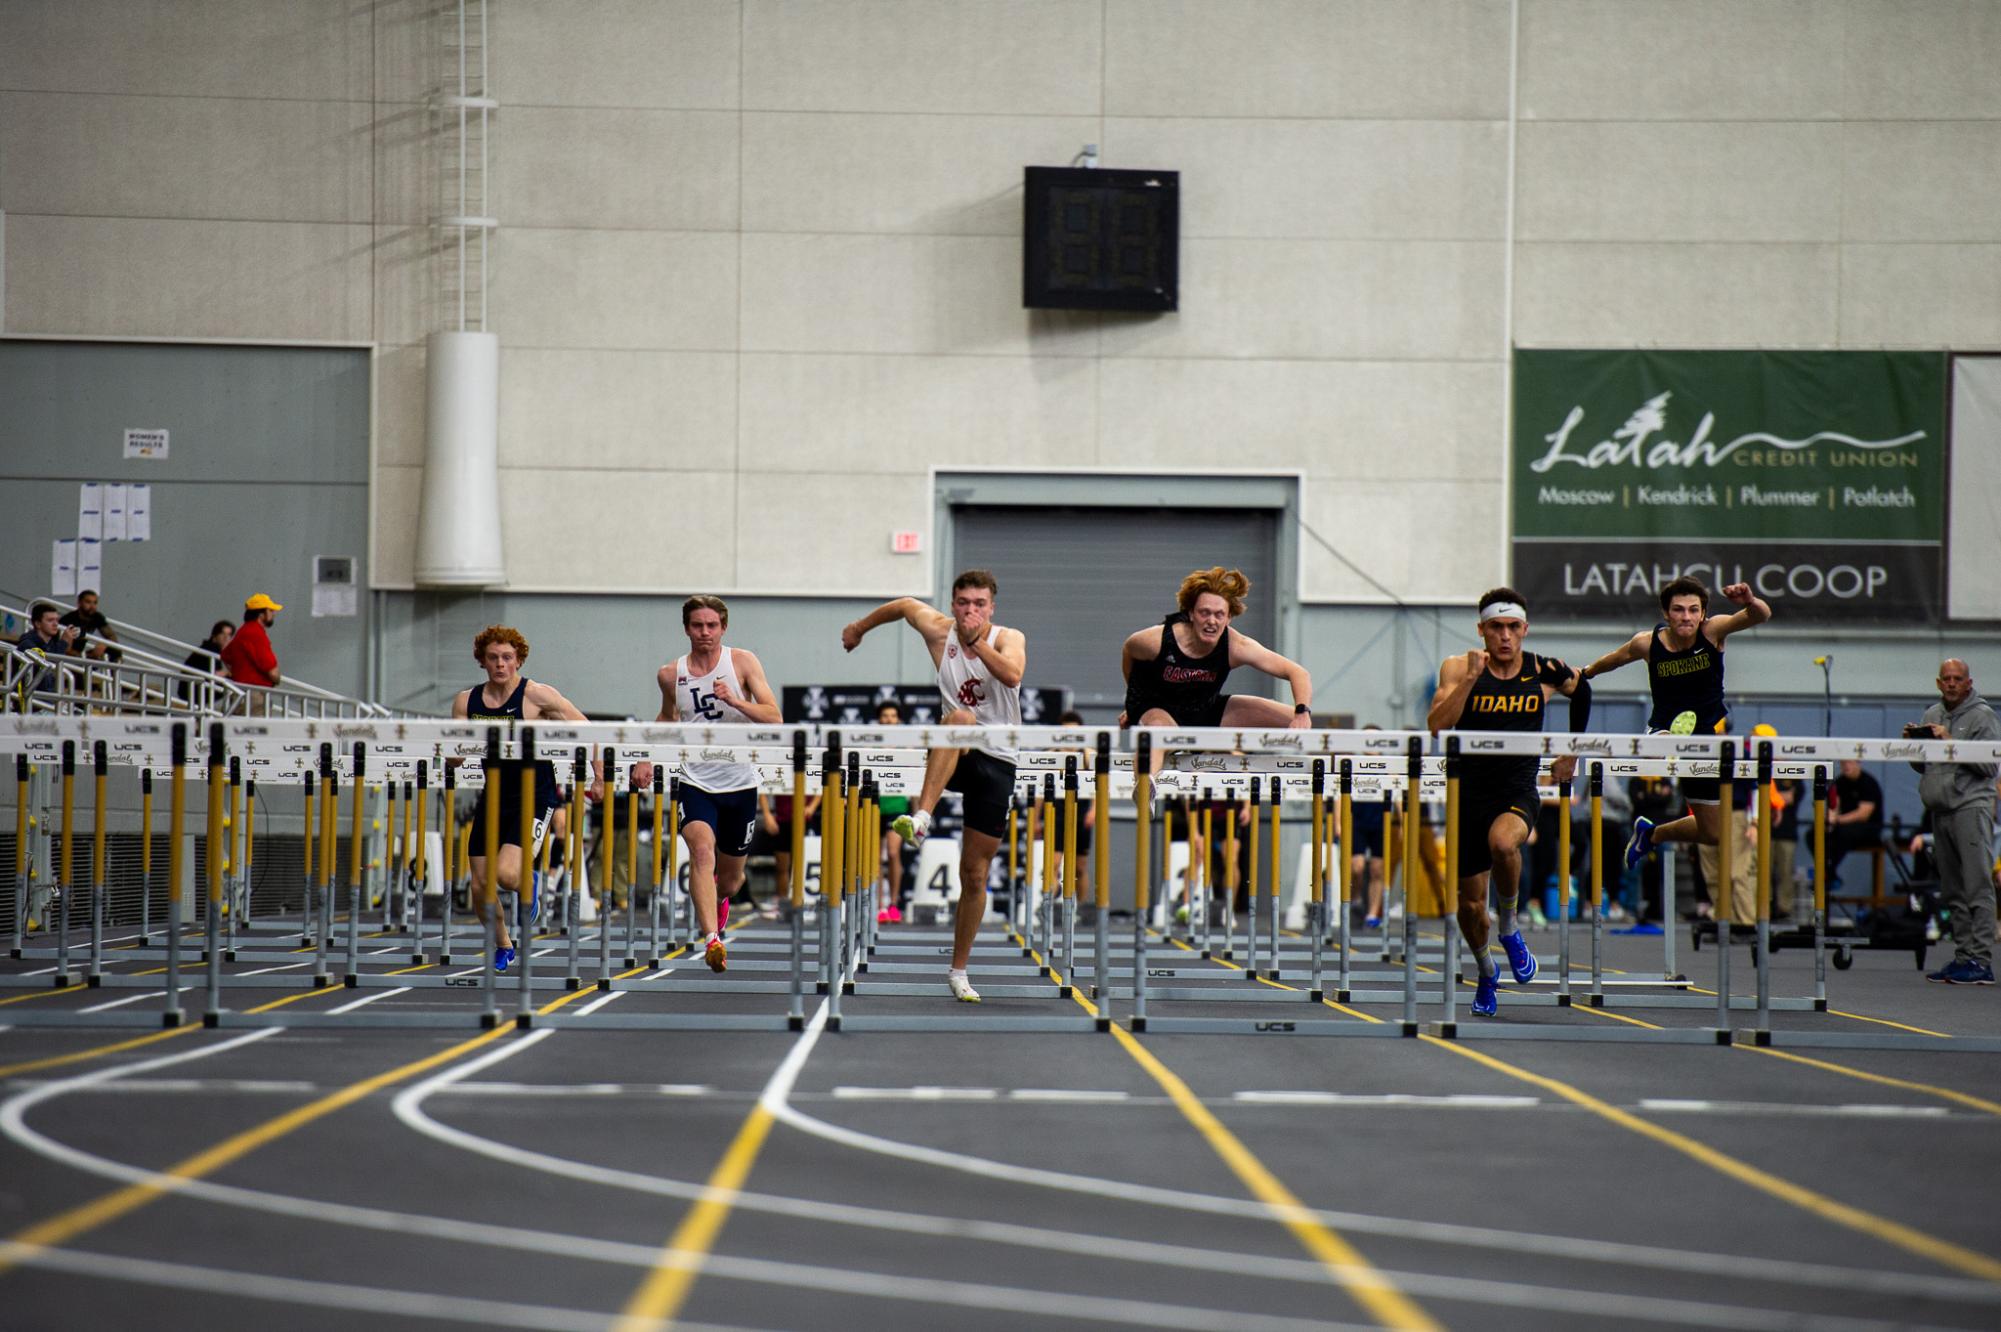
x=1640, y=843
x=1520, y=960
x=535, y=897
x=1486, y=1000
x=503, y=958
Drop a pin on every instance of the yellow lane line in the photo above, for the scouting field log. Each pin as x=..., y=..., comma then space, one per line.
x=1973, y=1102
x=1895, y=1233
x=1885, y=1022
x=660, y=1296
x=1371, y=1289
x=66, y=1226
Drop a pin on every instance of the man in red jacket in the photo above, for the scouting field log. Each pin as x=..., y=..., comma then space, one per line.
x=248, y=658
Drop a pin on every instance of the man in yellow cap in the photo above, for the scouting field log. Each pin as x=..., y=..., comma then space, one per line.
x=249, y=658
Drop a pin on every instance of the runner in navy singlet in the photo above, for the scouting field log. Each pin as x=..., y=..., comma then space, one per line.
x=1684, y=656
x=510, y=695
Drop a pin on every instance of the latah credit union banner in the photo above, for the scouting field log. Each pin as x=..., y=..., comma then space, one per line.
x=1816, y=477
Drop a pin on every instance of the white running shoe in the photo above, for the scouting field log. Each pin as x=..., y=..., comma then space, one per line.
x=962, y=989
x=914, y=828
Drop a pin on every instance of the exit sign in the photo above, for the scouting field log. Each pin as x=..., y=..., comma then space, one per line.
x=906, y=543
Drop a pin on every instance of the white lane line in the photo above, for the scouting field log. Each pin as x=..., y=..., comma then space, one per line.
x=174, y=1085
x=575, y=1089
x=1080, y=1096
x=916, y=1093
x=1597, y=1303
x=1671, y=1106
x=595, y=1004
x=1561, y=1247
x=370, y=998
x=1465, y=1100
x=292, y=1290
x=130, y=999
x=154, y=994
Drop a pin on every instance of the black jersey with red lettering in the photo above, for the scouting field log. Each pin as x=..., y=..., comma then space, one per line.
x=1687, y=681
x=1190, y=689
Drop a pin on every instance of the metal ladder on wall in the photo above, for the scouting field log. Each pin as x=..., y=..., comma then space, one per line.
x=462, y=109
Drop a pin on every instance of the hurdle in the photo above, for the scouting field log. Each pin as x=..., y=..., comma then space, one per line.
x=241, y=757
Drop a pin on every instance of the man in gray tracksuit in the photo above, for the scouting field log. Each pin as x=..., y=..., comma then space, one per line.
x=1960, y=797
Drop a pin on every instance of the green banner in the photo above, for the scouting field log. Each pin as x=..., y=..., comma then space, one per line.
x=1818, y=477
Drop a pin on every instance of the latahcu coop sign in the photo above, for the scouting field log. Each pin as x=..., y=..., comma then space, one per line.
x=1816, y=477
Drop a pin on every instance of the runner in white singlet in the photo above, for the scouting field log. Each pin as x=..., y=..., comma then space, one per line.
x=980, y=666
x=718, y=800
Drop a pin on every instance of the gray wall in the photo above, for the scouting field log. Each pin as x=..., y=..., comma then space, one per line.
x=267, y=467
x=758, y=266
x=758, y=271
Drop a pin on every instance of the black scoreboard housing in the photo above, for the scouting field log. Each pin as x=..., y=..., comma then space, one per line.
x=1096, y=238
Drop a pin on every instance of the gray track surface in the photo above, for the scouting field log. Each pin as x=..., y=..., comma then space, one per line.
x=1005, y=1178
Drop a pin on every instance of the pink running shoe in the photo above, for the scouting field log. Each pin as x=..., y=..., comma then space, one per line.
x=722, y=915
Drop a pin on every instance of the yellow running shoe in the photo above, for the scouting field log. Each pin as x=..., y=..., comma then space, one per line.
x=1683, y=724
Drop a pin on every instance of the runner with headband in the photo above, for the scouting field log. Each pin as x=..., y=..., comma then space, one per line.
x=1500, y=688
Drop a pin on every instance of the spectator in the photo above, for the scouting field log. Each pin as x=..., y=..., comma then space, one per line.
x=249, y=657
x=207, y=655
x=94, y=630
x=1743, y=862
x=1778, y=884
x=890, y=912
x=1856, y=820
x=46, y=633
x=46, y=637
x=1616, y=810
x=1960, y=799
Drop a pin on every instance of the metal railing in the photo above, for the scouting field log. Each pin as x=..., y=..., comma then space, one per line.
x=142, y=680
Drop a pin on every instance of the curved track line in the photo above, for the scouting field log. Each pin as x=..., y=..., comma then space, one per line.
x=12, y=1116
x=1490, y=1293
x=1136, y=1313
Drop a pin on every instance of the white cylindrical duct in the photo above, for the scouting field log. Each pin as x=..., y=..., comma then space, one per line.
x=458, y=529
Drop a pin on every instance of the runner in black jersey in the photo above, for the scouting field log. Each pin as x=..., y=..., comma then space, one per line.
x=508, y=694
x=1684, y=656
x=1501, y=688
x=1175, y=672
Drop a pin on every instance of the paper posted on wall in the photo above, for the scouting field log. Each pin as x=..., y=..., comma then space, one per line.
x=90, y=511
x=139, y=513
x=62, y=574
x=89, y=565
x=114, y=512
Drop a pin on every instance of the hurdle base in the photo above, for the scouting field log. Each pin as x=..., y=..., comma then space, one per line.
x=173, y=1017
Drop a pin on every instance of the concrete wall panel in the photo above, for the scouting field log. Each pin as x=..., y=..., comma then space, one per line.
x=1425, y=59
x=125, y=276
x=617, y=411
x=927, y=174
x=896, y=415
x=1332, y=179
x=1033, y=57
x=1614, y=295
x=1638, y=181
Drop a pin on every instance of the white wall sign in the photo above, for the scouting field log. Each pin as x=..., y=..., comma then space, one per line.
x=89, y=565
x=334, y=592
x=145, y=443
